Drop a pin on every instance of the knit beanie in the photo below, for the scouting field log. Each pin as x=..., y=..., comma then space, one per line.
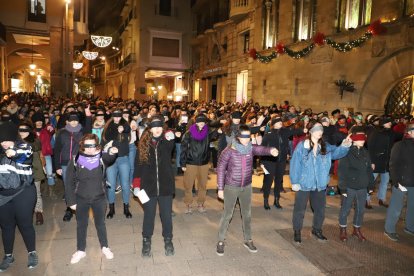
x=8, y=131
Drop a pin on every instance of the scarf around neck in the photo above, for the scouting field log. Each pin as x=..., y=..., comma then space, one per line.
x=90, y=162
x=198, y=135
x=242, y=149
x=73, y=129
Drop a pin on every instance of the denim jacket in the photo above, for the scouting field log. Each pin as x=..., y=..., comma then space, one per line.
x=312, y=172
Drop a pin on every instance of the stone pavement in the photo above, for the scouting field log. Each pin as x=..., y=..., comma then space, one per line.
x=195, y=238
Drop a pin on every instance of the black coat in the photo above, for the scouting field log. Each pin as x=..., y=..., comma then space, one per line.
x=120, y=140
x=380, y=143
x=402, y=163
x=332, y=136
x=195, y=152
x=87, y=184
x=279, y=139
x=157, y=176
x=355, y=171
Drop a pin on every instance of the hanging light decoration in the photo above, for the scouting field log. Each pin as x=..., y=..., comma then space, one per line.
x=32, y=66
x=77, y=65
x=90, y=55
x=101, y=41
x=32, y=73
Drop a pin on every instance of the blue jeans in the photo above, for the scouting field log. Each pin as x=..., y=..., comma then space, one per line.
x=177, y=155
x=121, y=168
x=49, y=170
x=395, y=207
x=382, y=189
x=131, y=158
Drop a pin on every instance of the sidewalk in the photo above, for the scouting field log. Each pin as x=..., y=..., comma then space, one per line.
x=195, y=238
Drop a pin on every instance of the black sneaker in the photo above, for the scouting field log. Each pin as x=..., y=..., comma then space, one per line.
x=317, y=234
x=7, y=261
x=392, y=236
x=220, y=248
x=68, y=215
x=169, y=247
x=250, y=246
x=297, y=237
x=32, y=260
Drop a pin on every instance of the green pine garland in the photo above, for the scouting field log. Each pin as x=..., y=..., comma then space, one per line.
x=348, y=46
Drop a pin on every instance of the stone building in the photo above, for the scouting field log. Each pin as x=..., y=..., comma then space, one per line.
x=381, y=69
x=152, y=54
x=37, y=46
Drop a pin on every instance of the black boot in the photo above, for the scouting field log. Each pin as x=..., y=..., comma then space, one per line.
x=126, y=211
x=146, y=247
x=317, y=234
x=277, y=204
x=297, y=237
x=266, y=204
x=111, y=212
x=68, y=214
x=169, y=247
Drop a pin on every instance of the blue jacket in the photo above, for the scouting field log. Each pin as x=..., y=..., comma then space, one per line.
x=312, y=172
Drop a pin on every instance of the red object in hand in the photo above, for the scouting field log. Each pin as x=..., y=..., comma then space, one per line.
x=136, y=183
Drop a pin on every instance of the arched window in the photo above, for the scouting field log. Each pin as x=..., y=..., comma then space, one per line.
x=304, y=15
x=400, y=98
x=353, y=13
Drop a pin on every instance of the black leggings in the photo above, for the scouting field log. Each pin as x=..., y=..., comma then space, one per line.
x=276, y=172
x=82, y=217
x=19, y=211
x=150, y=208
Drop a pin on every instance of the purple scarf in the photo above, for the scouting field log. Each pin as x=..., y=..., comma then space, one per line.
x=198, y=135
x=89, y=162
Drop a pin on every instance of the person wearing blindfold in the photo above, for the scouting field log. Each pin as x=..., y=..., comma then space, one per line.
x=402, y=175
x=85, y=189
x=355, y=181
x=27, y=135
x=99, y=124
x=117, y=129
x=234, y=179
x=309, y=175
x=154, y=174
x=17, y=194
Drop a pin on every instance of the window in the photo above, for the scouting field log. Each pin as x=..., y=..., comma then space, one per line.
x=164, y=47
x=304, y=19
x=408, y=7
x=353, y=13
x=37, y=10
x=246, y=40
x=270, y=19
x=165, y=7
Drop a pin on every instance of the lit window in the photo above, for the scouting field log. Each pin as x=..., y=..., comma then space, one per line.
x=354, y=13
x=304, y=15
x=37, y=10
x=270, y=19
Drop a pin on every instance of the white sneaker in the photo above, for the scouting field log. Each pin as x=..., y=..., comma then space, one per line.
x=108, y=253
x=77, y=256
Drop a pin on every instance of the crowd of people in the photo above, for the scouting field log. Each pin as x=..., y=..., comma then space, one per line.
x=102, y=147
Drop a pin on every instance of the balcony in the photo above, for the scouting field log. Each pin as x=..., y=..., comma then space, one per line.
x=239, y=8
x=130, y=59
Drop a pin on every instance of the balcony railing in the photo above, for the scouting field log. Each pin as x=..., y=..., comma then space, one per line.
x=240, y=7
x=128, y=60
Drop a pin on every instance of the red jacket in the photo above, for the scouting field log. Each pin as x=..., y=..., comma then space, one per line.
x=45, y=137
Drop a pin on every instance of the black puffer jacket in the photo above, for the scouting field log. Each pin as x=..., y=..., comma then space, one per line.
x=402, y=163
x=380, y=143
x=279, y=138
x=355, y=171
x=157, y=176
x=87, y=184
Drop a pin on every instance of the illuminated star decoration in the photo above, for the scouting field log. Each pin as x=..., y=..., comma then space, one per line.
x=101, y=41
x=77, y=65
x=90, y=55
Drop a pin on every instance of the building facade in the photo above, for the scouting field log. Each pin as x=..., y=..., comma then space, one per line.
x=38, y=42
x=151, y=55
x=229, y=33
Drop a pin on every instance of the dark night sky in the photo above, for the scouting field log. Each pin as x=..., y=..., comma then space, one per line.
x=104, y=15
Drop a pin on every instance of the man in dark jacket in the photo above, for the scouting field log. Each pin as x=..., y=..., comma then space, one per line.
x=402, y=175
x=379, y=146
x=277, y=137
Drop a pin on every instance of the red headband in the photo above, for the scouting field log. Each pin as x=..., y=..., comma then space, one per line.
x=359, y=137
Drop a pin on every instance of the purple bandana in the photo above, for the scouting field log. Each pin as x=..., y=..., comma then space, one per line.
x=198, y=135
x=89, y=162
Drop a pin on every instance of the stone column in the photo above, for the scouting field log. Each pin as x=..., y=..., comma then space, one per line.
x=268, y=5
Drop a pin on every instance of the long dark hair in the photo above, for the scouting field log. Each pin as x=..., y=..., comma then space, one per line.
x=145, y=141
x=321, y=141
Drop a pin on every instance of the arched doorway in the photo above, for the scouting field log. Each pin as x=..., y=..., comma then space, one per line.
x=400, y=98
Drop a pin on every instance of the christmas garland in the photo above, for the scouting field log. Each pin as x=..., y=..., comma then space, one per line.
x=376, y=28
